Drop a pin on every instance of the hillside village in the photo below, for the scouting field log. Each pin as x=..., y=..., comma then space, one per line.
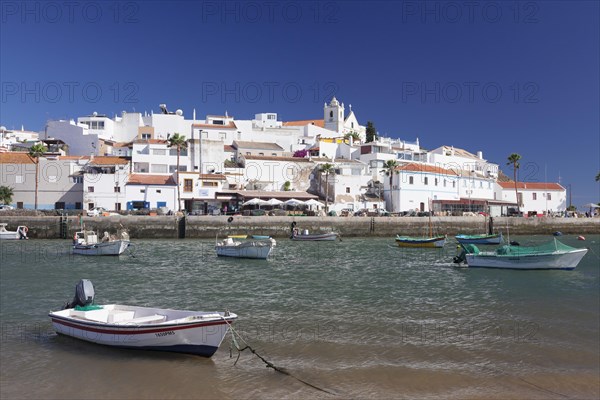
x=128, y=162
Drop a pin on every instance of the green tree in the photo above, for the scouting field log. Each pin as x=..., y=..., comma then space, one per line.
x=178, y=141
x=327, y=169
x=598, y=177
x=389, y=168
x=35, y=152
x=6, y=194
x=354, y=135
x=287, y=186
x=513, y=160
x=371, y=132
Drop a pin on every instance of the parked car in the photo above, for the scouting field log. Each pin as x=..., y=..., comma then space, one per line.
x=6, y=207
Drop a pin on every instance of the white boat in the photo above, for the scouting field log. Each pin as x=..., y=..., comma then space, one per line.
x=306, y=236
x=86, y=243
x=144, y=328
x=551, y=255
x=260, y=249
x=20, y=233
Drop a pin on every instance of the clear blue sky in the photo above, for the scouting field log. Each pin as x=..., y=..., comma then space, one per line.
x=495, y=76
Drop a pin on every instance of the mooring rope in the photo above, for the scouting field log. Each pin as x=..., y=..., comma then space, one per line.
x=269, y=364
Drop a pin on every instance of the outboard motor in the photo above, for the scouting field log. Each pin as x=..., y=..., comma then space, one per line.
x=84, y=294
x=461, y=255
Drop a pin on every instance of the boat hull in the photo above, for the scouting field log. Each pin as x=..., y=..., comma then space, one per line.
x=479, y=239
x=191, y=334
x=316, y=237
x=567, y=261
x=113, y=248
x=435, y=242
x=256, y=250
x=20, y=233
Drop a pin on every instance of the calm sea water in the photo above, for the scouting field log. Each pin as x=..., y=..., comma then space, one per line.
x=359, y=318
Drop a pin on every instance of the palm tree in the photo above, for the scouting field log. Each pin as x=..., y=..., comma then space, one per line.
x=179, y=142
x=6, y=194
x=327, y=169
x=354, y=135
x=389, y=168
x=35, y=152
x=513, y=160
x=598, y=177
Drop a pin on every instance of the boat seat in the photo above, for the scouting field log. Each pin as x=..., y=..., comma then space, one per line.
x=149, y=319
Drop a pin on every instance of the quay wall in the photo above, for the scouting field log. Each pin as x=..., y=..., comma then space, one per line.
x=155, y=227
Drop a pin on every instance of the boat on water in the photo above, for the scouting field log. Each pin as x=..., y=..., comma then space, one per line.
x=479, y=239
x=259, y=249
x=430, y=241
x=550, y=255
x=86, y=243
x=306, y=236
x=19, y=234
x=144, y=328
x=426, y=242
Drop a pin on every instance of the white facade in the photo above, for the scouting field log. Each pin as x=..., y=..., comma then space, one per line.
x=535, y=197
x=272, y=173
x=151, y=192
x=104, y=181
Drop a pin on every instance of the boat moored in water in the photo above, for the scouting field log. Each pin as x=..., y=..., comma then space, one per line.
x=86, y=243
x=259, y=249
x=144, y=328
x=426, y=242
x=550, y=255
x=19, y=234
x=479, y=239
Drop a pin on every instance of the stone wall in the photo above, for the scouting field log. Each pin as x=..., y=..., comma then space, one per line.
x=145, y=227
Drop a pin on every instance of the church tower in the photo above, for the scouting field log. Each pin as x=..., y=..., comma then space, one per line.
x=333, y=114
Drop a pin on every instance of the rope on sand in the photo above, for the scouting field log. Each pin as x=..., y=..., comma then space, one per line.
x=269, y=364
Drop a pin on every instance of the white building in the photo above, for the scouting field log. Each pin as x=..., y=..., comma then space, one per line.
x=535, y=198
x=104, y=180
x=147, y=191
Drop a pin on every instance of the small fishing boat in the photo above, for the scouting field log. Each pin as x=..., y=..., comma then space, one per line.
x=260, y=249
x=86, y=243
x=426, y=242
x=306, y=236
x=550, y=255
x=479, y=239
x=144, y=328
x=19, y=234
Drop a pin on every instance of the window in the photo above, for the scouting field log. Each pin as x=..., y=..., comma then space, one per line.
x=78, y=179
x=19, y=205
x=274, y=154
x=436, y=181
x=453, y=184
x=480, y=185
x=188, y=185
x=158, y=191
x=445, y=182
x=548, y=196
x=117, y=206
x=248, y=153
x=534, y=196
x=117, y=189
x=347, y=190
x=426, y=181
x=78, y=206
x=159, y=168
x=91, y=206
x=91, y=189
x=146, y=136
x=159, y=152
x=261, y=154
x=142, y=190
x=59, y=205
x=209, y=184
x=411, y=180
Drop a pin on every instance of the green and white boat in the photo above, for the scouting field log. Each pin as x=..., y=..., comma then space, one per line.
x=550, y=255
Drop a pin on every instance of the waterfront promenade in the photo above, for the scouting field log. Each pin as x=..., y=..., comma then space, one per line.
x=157, y=227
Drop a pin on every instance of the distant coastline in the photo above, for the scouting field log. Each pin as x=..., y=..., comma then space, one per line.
x=172, y=227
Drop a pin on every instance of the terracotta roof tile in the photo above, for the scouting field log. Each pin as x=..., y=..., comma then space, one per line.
x=275, y=158
x=146, y=179
x=109, y=160
x=230, y=125
x=531, y=185
x=425, y=168
x=16, y=158
x=316, y=122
